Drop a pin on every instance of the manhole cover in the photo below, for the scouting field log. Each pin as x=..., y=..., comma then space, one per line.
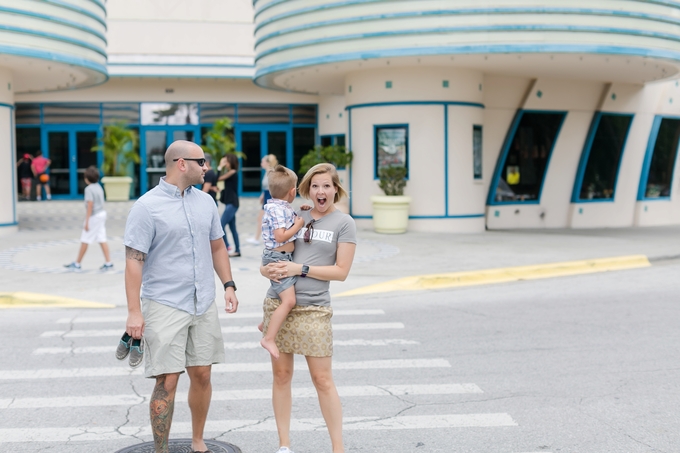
x=182, y=446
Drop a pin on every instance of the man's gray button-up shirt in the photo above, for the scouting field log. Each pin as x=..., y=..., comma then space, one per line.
x=175, y=232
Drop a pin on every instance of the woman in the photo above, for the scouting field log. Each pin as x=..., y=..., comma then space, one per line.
x=229, y=197
x=267, y=163
x=323, y=252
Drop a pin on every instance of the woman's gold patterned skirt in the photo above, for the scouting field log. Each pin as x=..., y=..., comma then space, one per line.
x=306, y=331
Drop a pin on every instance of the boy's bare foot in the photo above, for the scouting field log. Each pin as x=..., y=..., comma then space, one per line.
x=270, y=345
x=260, y=327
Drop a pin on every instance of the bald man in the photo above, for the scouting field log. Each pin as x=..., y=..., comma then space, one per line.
x=173, y=241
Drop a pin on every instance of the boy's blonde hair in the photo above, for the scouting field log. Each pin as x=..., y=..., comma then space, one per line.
x=320, y=169
x=281, y=180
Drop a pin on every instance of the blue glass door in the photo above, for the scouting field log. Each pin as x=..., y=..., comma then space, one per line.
x=255, y=142
x=69, y=149
x=154, y=140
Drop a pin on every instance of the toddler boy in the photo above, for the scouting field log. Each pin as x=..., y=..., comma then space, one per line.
x=280, y=226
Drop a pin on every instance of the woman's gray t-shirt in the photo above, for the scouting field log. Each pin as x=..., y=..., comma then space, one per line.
x=329, y=230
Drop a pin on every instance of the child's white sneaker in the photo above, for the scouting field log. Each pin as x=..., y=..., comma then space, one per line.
x=256, y=242
x=284, y=450
x=72, y=266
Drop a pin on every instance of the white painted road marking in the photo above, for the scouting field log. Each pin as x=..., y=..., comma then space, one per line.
x=94, y=433
x=239, y=395
x=231, y=329
x=246, y=315
x=227, y=345
x=57, y=373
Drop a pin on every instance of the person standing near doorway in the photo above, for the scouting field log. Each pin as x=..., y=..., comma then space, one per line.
x=210, y=179
x=39, y=167
x=229, y=197
x=173, y=241
x=25, y=176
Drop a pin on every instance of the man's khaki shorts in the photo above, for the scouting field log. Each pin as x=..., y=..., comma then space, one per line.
x=176, y=339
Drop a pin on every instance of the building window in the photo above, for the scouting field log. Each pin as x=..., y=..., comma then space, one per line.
x=213, y=112
x=72, y=113
x=304, y=114
x=303, y=142
x=391, y=146
x=524, y=161
x=28, y=141
x=263, y=113
x=329, y=140
x=602, y=157
x=658, y=170
x=477, y=151
x=119, y=111
x=27, y=114
x=171, y=114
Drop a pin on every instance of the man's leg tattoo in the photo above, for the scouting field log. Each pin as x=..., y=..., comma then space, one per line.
x=162, y=406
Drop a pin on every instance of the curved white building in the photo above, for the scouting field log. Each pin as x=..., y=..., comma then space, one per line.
x=511, y=113
x=44, y=46
x=506, y=113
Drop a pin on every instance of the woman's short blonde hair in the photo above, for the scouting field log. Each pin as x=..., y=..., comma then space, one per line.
x=320, y=169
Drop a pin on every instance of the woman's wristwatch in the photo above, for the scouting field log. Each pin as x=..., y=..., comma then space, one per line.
x=304, y=271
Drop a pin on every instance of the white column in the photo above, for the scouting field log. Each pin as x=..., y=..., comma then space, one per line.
x=8, y=169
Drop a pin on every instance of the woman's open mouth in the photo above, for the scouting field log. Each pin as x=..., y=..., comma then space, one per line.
x=321, y=201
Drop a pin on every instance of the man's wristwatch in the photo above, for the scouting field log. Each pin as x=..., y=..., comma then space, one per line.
x=305, y=270
x=229, y=284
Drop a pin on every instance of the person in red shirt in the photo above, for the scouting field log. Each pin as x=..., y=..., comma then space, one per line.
x=39, y=167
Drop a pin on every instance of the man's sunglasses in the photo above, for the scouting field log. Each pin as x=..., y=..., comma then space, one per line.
x=309, y=232
x=199, y=160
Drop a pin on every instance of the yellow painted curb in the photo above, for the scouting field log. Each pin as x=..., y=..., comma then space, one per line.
x=502, y=275
x=22, y=299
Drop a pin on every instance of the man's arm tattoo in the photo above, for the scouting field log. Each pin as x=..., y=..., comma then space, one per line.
x=134, y=254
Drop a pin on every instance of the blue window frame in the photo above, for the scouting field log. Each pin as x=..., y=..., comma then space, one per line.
x=656, y=179
x=601, y=158
x=525, y=157
x=187, y=121
x=336, y=139
x=477, y=152
x=391, y=146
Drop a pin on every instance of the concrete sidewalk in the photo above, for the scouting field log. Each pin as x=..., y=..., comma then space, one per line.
x=32, y=260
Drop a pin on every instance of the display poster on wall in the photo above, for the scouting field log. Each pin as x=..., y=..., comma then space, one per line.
x=391, y=146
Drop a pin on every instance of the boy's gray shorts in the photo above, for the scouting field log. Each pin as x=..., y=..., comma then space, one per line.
x=274, y=256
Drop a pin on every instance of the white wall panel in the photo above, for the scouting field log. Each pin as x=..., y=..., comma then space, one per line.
x=332, y=115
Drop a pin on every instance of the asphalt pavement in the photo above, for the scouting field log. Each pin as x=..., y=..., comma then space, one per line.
x=584, y=363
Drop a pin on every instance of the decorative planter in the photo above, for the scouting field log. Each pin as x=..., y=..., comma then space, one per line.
x=390, y=213
x=117, y=188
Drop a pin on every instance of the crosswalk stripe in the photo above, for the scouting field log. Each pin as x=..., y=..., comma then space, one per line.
x=57, y=373
x=228, y=345
x=230, y=329
x=246, y=315
x=240, y=395
x=93, y=433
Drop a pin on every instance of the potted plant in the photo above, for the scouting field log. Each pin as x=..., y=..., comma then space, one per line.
x=219, y=141
x=118, y=145
x=333, y=154
x=390, y=211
